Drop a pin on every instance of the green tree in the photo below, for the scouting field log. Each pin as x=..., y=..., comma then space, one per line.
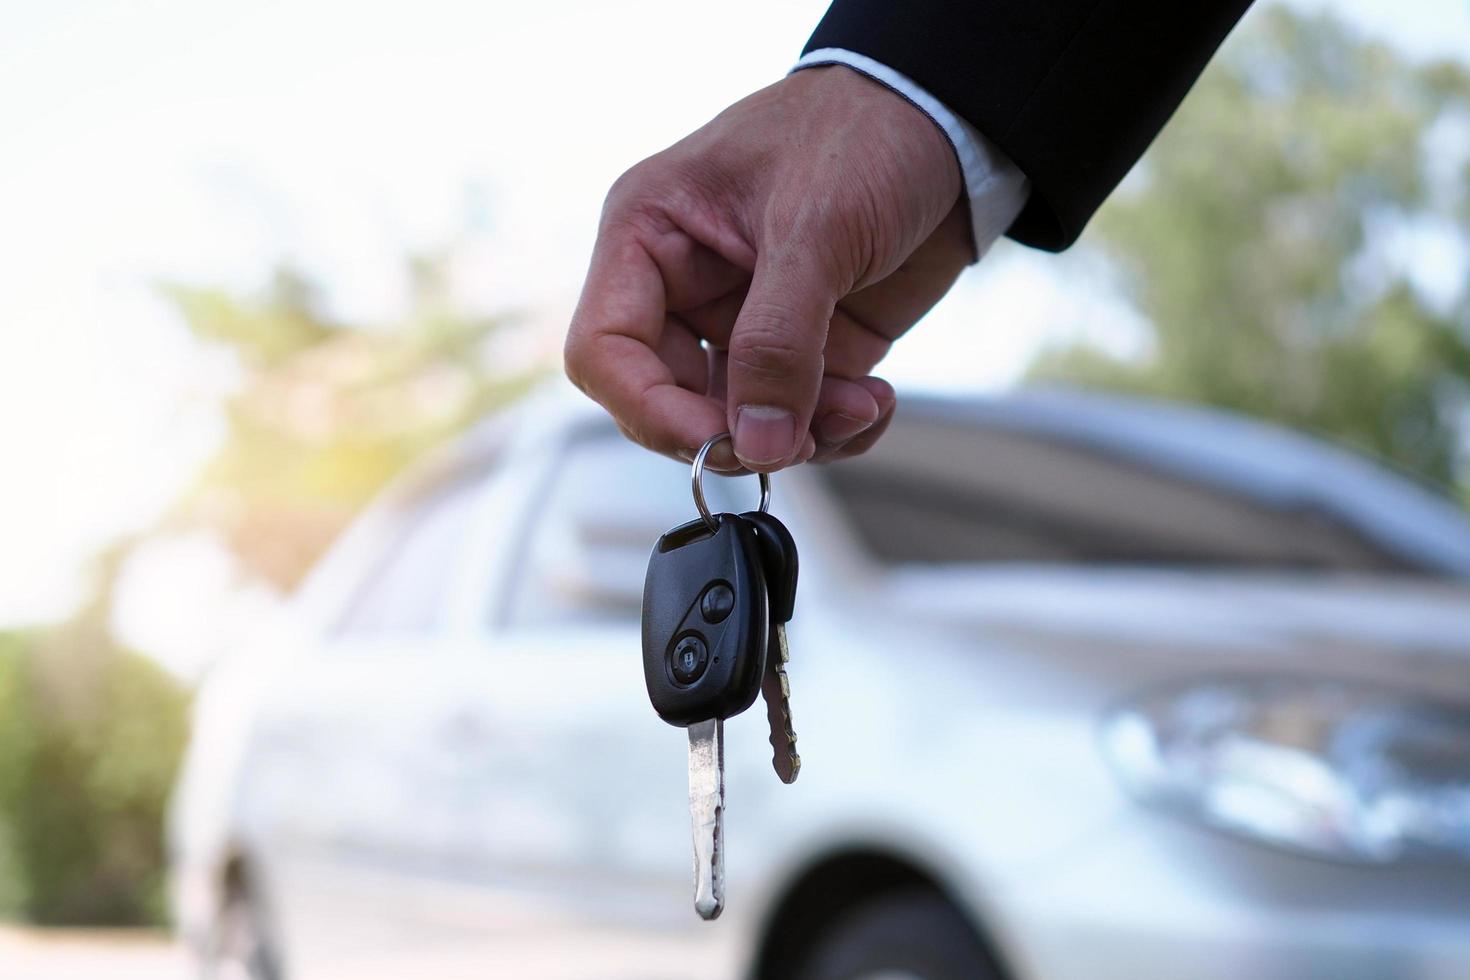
x=328, y=412
x=323, y=415
x=1255, y=240
x=90, y=739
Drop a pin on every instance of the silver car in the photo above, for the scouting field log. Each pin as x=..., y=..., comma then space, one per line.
x=1086, y=687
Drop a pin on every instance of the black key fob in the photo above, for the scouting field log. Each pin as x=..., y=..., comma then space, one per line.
x=705, y=621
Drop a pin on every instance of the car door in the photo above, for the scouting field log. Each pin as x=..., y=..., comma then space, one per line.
x=352, y=806
x=575, y=805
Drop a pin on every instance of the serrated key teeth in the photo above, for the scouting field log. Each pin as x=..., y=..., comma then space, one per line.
x=776, y=689
x=784, y=757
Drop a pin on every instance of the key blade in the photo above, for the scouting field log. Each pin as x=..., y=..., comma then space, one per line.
x=776, y=689
x=707, y=813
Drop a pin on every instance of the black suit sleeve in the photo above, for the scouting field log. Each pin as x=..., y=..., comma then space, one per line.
x=1073, y=91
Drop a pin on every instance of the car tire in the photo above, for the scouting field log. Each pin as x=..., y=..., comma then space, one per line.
x=908, y=935
x=239, y=947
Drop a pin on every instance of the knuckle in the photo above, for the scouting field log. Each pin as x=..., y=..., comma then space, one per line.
x=769, y=347
x=661, y=194
x=573, y=371
x=647, y=190
x=638, y=423
x=630, y=203
x=627, y=185
x=575, y=360
x=630, y=433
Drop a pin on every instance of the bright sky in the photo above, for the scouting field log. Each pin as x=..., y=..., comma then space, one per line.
x=148, y=140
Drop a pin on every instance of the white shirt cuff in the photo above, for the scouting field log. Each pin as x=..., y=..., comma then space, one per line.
x=996, y=187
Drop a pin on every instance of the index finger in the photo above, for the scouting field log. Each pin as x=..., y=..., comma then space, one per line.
x=612, y=351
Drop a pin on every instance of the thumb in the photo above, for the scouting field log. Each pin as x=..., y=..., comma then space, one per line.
x=775, y=360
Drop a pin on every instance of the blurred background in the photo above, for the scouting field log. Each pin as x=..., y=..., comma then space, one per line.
x=258, y=260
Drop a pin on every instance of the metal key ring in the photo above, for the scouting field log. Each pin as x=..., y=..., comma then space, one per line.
x=709, y=519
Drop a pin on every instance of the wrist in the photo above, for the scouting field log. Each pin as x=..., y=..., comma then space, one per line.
x=994, y=189
x=886, y=116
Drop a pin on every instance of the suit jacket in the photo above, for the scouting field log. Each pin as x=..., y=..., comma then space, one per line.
x=1073, y=91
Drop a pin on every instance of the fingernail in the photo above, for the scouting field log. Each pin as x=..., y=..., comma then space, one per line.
x=764, y=435
x=835, y=428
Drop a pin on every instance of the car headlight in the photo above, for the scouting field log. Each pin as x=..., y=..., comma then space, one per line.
x=1336, y=770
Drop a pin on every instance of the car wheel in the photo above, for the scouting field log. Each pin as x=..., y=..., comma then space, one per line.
x=910, y=935
x=239, y=948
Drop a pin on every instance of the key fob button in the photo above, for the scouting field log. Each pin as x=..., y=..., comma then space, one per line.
x=717, y=602
x=689, y=658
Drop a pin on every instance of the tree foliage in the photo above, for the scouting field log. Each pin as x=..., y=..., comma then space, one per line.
x=327, y=412
x=92, y=736
x=1264, y=239
x=324, y=414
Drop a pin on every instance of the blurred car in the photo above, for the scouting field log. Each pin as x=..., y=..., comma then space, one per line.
x=1085, y=687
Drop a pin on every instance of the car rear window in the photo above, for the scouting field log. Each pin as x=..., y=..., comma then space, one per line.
x=935, y=492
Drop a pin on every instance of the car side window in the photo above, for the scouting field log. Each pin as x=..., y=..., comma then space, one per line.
x=406, y=589
x=587, y=546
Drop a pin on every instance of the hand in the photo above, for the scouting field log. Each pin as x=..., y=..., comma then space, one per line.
x=798, y=234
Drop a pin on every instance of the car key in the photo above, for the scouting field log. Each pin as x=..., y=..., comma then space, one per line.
x=705, y=620
x=707, y=640
x=777, y=550
x=705, y=623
